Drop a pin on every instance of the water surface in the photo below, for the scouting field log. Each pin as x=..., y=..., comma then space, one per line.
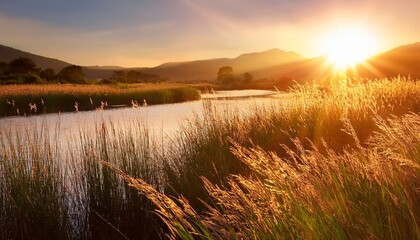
x=162, y=120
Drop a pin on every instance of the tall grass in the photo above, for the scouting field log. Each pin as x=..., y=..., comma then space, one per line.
x=309, y=114
x=62, y=191
x=32, y=194
x=370, y=192
x=326, y=166
x=113, y=209
x=322, y=163
x=15, y=100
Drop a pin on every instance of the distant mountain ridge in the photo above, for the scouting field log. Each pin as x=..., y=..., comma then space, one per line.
x=400, y=61
x=8, y=54
x=273, y=64
x=207, y=69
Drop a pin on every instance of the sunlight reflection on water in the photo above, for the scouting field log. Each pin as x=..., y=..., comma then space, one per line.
x=162, y=121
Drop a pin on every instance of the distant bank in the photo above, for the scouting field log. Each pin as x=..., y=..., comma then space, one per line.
x=24, y=100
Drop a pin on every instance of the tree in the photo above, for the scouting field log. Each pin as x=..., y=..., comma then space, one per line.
x=48, y=74
x=72, y=74
x=135, y=76
x=248, y=78
x=29, y=78
x=225, y=74
x=119, y=76
x=4, y=68
x=23, y=65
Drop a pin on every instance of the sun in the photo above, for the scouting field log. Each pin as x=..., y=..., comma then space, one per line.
x=347, y=46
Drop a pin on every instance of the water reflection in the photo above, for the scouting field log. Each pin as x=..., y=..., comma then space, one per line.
x=161, y=121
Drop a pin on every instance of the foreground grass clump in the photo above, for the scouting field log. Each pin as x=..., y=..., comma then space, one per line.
x=32, y=189
x=309, y=114
x=15, y=100
x=51, y=189
x=315, y=167
x=113, y=210
x=366, y=192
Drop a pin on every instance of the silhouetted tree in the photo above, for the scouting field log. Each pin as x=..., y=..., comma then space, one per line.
x=23, y=65
x=119, y=76
x=48, y=74
x=29, y=78
x=135, y=76
x=4, y=68
x=72, y=74
x=248, y=78
x=225, y=74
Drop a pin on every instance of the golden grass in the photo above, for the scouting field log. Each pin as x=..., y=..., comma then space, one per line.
x=12, y=90
x=365, y=193
x=70, y=97
x=306, y=183
x=330, y=164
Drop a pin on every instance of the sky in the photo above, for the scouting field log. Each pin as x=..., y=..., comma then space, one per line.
x=133, y=33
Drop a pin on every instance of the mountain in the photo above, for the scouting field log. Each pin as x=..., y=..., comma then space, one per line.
x=400, y=61
x=404, y=61
x=175, y=71
x=207, y=69
x=8, y=54
x=305, y=70
x=271, y=64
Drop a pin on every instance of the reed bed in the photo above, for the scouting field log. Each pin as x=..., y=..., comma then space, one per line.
x=18, y=99
x=310, y=114
x=32, y=194
x=341, y=162
x=111, y=209
x=62, y=191
x=333, y=163
x=370, y=192
x=11, y=90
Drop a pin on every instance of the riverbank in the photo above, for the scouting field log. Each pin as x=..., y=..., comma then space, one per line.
x=20, y=100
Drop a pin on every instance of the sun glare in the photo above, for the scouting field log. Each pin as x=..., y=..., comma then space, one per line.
x=347, y=46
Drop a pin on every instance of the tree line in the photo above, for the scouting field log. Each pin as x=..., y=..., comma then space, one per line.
x=135, y=76
x=25, y=71
x=228, y=80
x=226, y=76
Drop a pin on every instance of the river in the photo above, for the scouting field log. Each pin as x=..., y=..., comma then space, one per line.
x=159, y=119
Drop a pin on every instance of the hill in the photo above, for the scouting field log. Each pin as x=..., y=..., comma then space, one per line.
x=8, y=54
x=175, y=71
x=207, y=69
x=400, y=61
x=404, y=60
x=272, y=64
x=305, y=70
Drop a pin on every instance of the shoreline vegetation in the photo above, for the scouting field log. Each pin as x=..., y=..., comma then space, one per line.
x=24, y=100
x=336, y=164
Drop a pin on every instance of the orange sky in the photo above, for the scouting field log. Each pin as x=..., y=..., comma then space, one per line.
x=147, y=33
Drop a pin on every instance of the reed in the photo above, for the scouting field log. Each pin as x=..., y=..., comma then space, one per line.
x=32, y=193
x=15, y=100
x=111, y=209
x=341, y=162
x=62, y=191
x=362, y=193
x=325, y=166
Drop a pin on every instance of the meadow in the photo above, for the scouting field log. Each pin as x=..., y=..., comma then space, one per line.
x=52, y=98
x=324, y=163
